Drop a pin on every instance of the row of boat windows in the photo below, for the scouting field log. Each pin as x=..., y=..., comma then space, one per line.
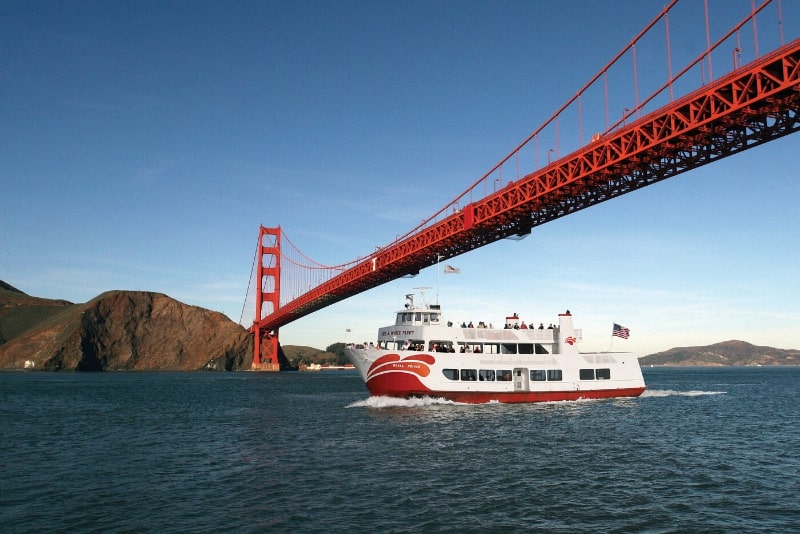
x=417, y=317
x=536, y=375
x=477, y=348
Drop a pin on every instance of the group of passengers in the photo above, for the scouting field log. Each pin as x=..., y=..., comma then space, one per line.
x=481, y=324
x=510, y=325
x=529, y=326
x=441, y=347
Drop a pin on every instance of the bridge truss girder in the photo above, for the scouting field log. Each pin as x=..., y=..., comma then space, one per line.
x=751, y=106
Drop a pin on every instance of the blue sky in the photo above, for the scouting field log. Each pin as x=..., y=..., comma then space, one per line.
x=143, y=143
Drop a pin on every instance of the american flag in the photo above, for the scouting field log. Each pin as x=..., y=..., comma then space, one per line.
x=620, y=331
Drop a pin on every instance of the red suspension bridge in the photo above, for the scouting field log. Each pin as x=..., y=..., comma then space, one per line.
x=749, y=104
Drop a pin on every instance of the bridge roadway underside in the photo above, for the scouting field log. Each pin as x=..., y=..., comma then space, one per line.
x=753, y=105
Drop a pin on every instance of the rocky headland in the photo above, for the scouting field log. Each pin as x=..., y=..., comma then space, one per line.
x=118, y=330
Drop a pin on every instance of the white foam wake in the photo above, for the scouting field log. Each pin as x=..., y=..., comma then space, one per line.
x=675, y=393
x=395, y=402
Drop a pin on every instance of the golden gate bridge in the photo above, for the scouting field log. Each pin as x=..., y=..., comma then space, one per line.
x=713, y=106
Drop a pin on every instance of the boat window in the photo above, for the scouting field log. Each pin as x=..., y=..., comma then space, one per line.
x=526, y=348
x=541, y=350
x=504, y=375
x=587, y=374
x=486, y=375
x=509, y=348
x=491, y=348
x=538, y=375
x=450, y=374
x=418, y=316
x=413, y=344
x=603, y=374
x=554, y=374
x=434, y=317
x=469, y=375
x=399, y=344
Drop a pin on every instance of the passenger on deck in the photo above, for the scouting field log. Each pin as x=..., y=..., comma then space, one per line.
x=541, y=326
x=470, y=325
x=524, y=326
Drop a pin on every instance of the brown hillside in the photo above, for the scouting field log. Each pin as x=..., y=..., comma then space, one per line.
x=118, y=330
x=725, y=353
x=19, y=312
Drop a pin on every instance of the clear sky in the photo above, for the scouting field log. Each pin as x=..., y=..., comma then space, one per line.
x=142, y=144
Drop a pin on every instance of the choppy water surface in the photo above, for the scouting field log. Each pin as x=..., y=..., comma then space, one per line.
x=712, y=450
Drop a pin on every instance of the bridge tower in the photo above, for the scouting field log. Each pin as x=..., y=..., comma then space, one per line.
x=268, y=290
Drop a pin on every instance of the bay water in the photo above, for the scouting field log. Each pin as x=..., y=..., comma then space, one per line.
x=703, y=450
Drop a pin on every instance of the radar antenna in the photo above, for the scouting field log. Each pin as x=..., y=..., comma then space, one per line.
x=422, y=295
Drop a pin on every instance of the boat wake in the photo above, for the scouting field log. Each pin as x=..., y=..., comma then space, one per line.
x=675, y=393
x=396, y=402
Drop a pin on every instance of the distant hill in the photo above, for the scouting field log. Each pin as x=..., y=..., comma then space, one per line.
x=301, y=355
x=19, y=312
x=725, y=353
x=118, y=330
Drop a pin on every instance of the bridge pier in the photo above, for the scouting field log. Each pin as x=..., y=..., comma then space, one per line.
x=266, y=351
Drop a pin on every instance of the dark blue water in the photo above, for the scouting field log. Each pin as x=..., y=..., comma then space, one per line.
x=711, y=450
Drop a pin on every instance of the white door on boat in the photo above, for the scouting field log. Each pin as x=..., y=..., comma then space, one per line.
x=520, y=379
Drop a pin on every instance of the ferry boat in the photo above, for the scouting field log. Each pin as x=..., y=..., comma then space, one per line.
x=421, y=355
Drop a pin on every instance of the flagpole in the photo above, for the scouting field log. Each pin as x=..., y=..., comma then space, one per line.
x=438, y=258
x=611, y=345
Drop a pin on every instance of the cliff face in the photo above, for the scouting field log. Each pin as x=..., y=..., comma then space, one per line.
x=118, y=330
